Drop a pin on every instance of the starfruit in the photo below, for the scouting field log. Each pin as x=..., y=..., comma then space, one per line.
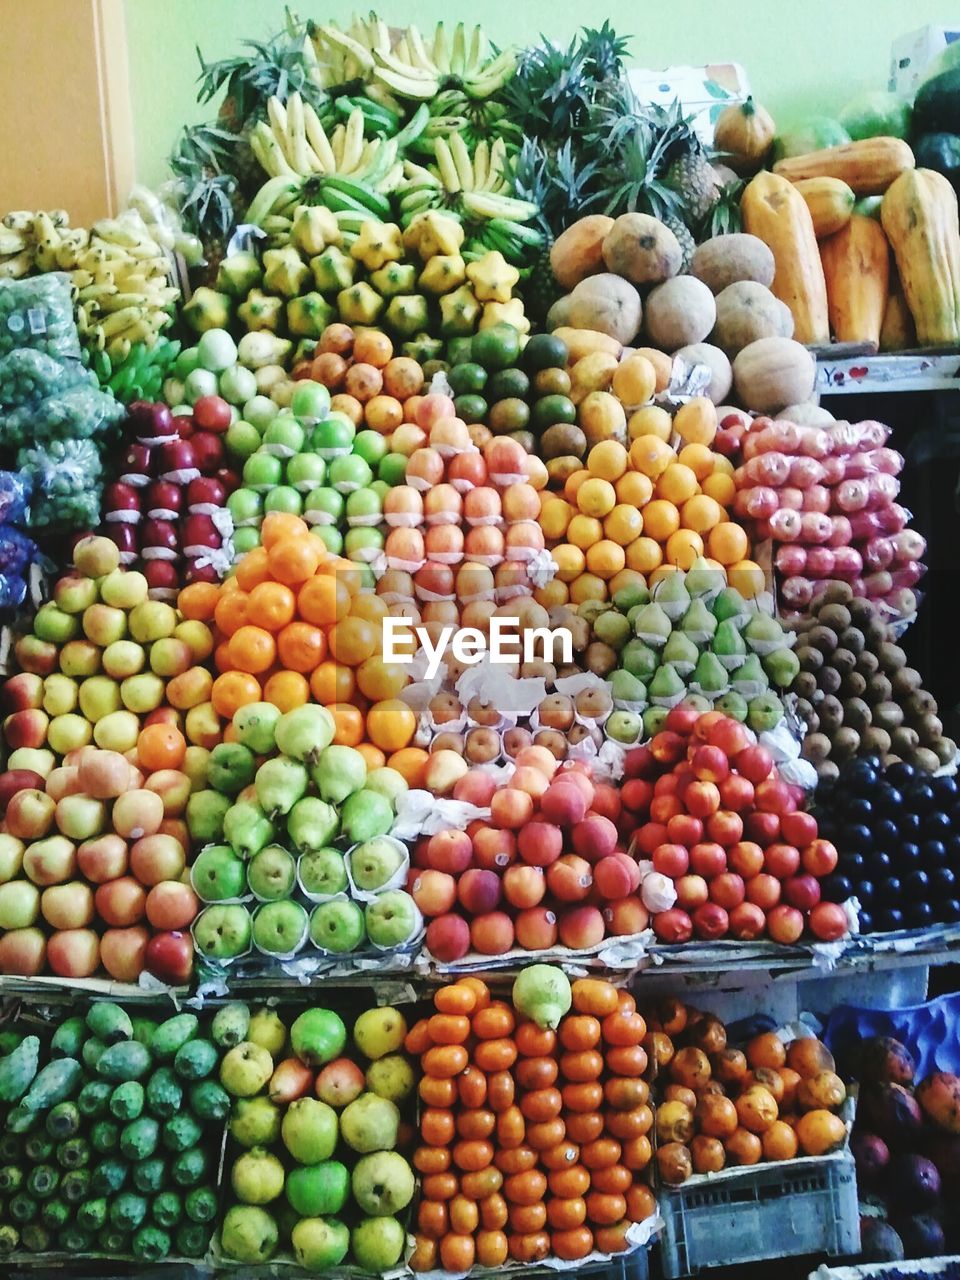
x=394, y=278
x=207, y=309
x=377, y=243
x=505, y=313
x=359, y=304
x=407, y=314
x=284, y=271
x=260, y=311
x=314, y=227
x=442, y=234
x=443, y=273
x=333, y=270
x=309, y=315
x=459, y=312
x=238, y=274
x=492, y=277
x=422, y=347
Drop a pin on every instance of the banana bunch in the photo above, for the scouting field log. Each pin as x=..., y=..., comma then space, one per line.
x=411, y=71
x=140, y=373
x=451, y=111
x=343, y=57
x=29, y=242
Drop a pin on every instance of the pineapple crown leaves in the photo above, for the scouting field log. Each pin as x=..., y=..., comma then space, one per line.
x=604, y=51
x=554, y=88
x=630, y=181
x=274, y=67
x=724, y=218
x=203, y=162
x=203, y=149
x=207, y=208
x=552, y=180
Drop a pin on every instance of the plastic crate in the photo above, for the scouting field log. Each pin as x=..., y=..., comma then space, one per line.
x=766, y=1211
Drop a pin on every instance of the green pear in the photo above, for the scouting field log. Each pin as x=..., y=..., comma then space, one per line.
x=612, y=628
x=703, y=579
x=256, y=725
x=635, y=593
x=730, y=604
x=338, y=773
x=364, y=815
x=387, y=782
x=782, y=666
x=639, y=659
x=680, y=653
x=249, y=1234
x=312, y=824
x=370, y=1123
x=700, y=704
x=247, y=828
x=653, y=719
x=763, y=634
x=750, y=679
x=626, y=688
x=765, y=712
x=305, y=732
x=667, y=687
x=653, y=625
x=672, y=596
x=732, y=704
x=728, y=645
x=698, y=622
x=280, y=783
x=710, y=676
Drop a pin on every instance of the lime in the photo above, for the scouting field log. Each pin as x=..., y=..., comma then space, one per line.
x=466, y=378
x=509, y=415
x=497, y=347
x=525, y=439
x=430, y=367
x=549, y=410
x=371, y=446
x=458, y=351
x=507, y=383
x=470, y=408
x=552, y=382
x=544, y=351
x=392, y=468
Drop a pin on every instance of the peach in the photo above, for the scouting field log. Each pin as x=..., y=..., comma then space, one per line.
x=494, y=849
x=625, y=916
x=123, y=952
x=157, y=857
x=482, y=507
x=578, y=773
x=727, y=890
x=482, y=746
x=524, y=886
x=563, y=803
x=520, y=502
x=403, y=507
x=581, y=927
x=492, y=934
x=177, y=829
x=476, y=788
x=528, y=779
x=536, y=929
x=404, y=549
x=442, y=505
x=673, y=925
x=511, y=808
x=540, y=844
x=594, y=838
x=613, y=878
x=479, y=891
x=450, y=852
x=512, y=580
x=539, y=758
x=434, y=892
x=784, y=924
x=443, y=771
x=448, y=938
x=424, y=468
x=485, y=546
x=467, y=471
x=570, y=878
x=444, y=544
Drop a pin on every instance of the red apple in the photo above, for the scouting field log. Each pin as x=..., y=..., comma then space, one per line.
x=169, y=957
x=708, y=860
x=798, y=828
x=692, y=892
x=702, y=799
x=673, y=926
x=639, y=762
x=781, y=860
x=14, y=780
x=30, y=814
x=802, y=891
x=172, y=905
x=710, y=921
x=705, y=722
x=22, y=952
x=727, y=890
x=667, y=784
x=710, y=764
x=663, y=808
x=729, y=735
x=668, y=747
x=73, y=953
x=754, y=762
x=736, y=793
x=774, y=796
x=785, y=924
x=22, y=692
x=828, y=921
x=671, y=860
x=121, y=902
x=747, y=922
x=123, y=952
x=746, y=858
x=725, y=827
x=26, y=729
x=212, y=413
x=819, y=858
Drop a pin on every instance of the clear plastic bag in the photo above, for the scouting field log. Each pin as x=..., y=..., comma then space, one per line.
x=14, y=497
x=17, y=551
x=28, y=376
x=80, y=412
x=38, y=313
x=66, y=480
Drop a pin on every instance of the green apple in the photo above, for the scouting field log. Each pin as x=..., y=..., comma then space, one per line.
x=248, y=1234
x=318, y=1036
x=377, y=1243
x=242, y=439
x=262, y=472
x=257, y=1177
x=272, y=873
x=378, y=1032
x=337, y=926
x=260, y=411
x=255, y=1122
x=391, y=1077
x=309, y=1130
x=284, y=498
x=319, y=1189
x=306, y=472
x=223, y=931
x=279, y=928
x=382, y=1183
x=370, y=1123
x=245, y=1069
x=319, y=1244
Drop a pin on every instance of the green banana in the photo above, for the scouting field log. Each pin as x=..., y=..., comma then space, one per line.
x=274, y=191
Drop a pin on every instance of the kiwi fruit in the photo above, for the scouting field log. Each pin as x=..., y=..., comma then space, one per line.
x=853, y=684
x=835, y=616
x=831, y=714
x=888, y=715
x=891, y=656
x=600, y=658
x=861, y=611
x=946, y=750
x=571, y=669
x=561, y=441
x=828, y=679
x=925, y=759
x=868, y=662
x=822, y=638
x=837, y=593
x=845, y=743
x=857, y=714
x=875, y=741
x=810, y=658
x=875, y=633
x=816, y=747
x=844, y=660
x=919, y=704
x=852, y=639
x=879, y=688
x=904, y=740
x=805, y=684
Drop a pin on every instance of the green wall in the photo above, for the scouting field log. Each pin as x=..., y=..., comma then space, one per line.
x=801, y=56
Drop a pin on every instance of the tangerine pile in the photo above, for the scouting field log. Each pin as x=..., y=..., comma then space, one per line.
x=295, y=624
x=637, y=513
x=532, y=1140
x=721, y=1106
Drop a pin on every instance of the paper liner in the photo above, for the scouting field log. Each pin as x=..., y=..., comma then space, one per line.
x=421, y=813
x=365, y=522
x=396, y=881
x=403, y=519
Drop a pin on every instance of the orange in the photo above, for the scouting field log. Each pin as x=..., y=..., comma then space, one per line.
x=605, y=558
x=252, y=649
x=651, y=455
x=662, y=364
x=349, y=406
x=623, y=524
x=233, y=690
x=698, y=458
x=371, y=346
x=391, y=724
x=779, y=1142
x=683, y=547
x=198, y=601
x=634, y=488
x=650, y=421
x=696, y=421
x=432, y=1218
x=492, y=1248
x=627, y=577
x=301, y=647
x=552, y=595
x=494, y=1021
x=379, y=680
x=402, y=377
x=573, y=1244
x=727, y=542
x=635, y=381
x=588, y=587
x=332, y=682
x=353, y=640
x=573, y=482
x=570, y=561
x=607, y=460
x=221, y=656
x=253, y=567
x=533, y=1041
x=555, y=516
x=160, y=746
x=701, y=513
x=455, y=998
x=271, y=605
x=583, y=530
x=677, y=484
x=372, y=608
x=537, y=1073
x=278, y=525
x=596, y=497
x=231, y=611
x=720, y=487
x=767, y=1050
x=323, y=600
x=594, y=996
x=644, y=555
x=348, y=722
x=747, y=577
x=294, y=560
x=286, y=690
x=383, y=414
x=410, y=763
x=374, y=757
x=660, y=520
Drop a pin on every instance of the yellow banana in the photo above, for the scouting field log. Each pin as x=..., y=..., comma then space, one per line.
x=16, y=267
x=476, y=52
x=118, y=321
x=481, y=163
x=448, y=170
x=296, y=137
x=441, y=50
x=462, y=161
x=336, y=142
x=268, y=151
x=419, y=55
x=19, y=220
x=12, y=242
x=458, y=56
x=353, y=141
x=277, y=115
x=317, y=137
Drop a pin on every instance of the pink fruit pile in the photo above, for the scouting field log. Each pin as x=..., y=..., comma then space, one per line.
x=91, y=866
x=549, y=867
x=828, y=501
x=731, y=851
x=166, y=509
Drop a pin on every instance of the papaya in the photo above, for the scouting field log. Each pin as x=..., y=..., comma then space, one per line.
x=885, y=1060
x=128, y=1060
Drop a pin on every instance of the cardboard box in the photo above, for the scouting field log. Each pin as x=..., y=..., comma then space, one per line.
x=703, y=92
x=912, y=53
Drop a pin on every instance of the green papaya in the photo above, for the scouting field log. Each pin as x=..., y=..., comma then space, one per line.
x=109, y=1177
x=149, y=1175
x=813, y=134
x=167, y=1209
x=181, y=1132
x=94, y=1098
x=57, y=1081
x=74, y=1153
x=91, y=1052
x=104, y=1136
x=192, y=1240
x=209, y=1101
x=75, y=1186
x=92, y=1214
x=936, y=108
x=18, y=1069
x=138, y=1140
x=128, y=1210
x=876, y=114
x=128, y=1060
x=63, y=1120
x=109, y=1023
x=42, y=1181
x=151, y=1244
x=230, y=1023
x=201, y=1204
x=164, y=1093
x=36, y=1238
x=9, y=1240
x=196, y=1060
x=144, y=1030
x=55, y=1214
x=173, y=1035
x=68, y=1038
x=126, y=1101
x=189, y=1168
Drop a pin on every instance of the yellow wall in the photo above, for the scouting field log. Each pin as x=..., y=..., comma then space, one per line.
x=801, y=56
x=66, y=129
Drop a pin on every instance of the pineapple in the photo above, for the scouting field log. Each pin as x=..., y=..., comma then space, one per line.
x=210, y=198
x=549, y=178
x=692, y=177
x=684, y=235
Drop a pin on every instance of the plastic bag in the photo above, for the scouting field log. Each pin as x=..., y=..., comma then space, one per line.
x=28, y=376
x=14, y=497
x=78, y=413
x=38, y=313
x=17, y=551
x=66, y=476
x=13, y=591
